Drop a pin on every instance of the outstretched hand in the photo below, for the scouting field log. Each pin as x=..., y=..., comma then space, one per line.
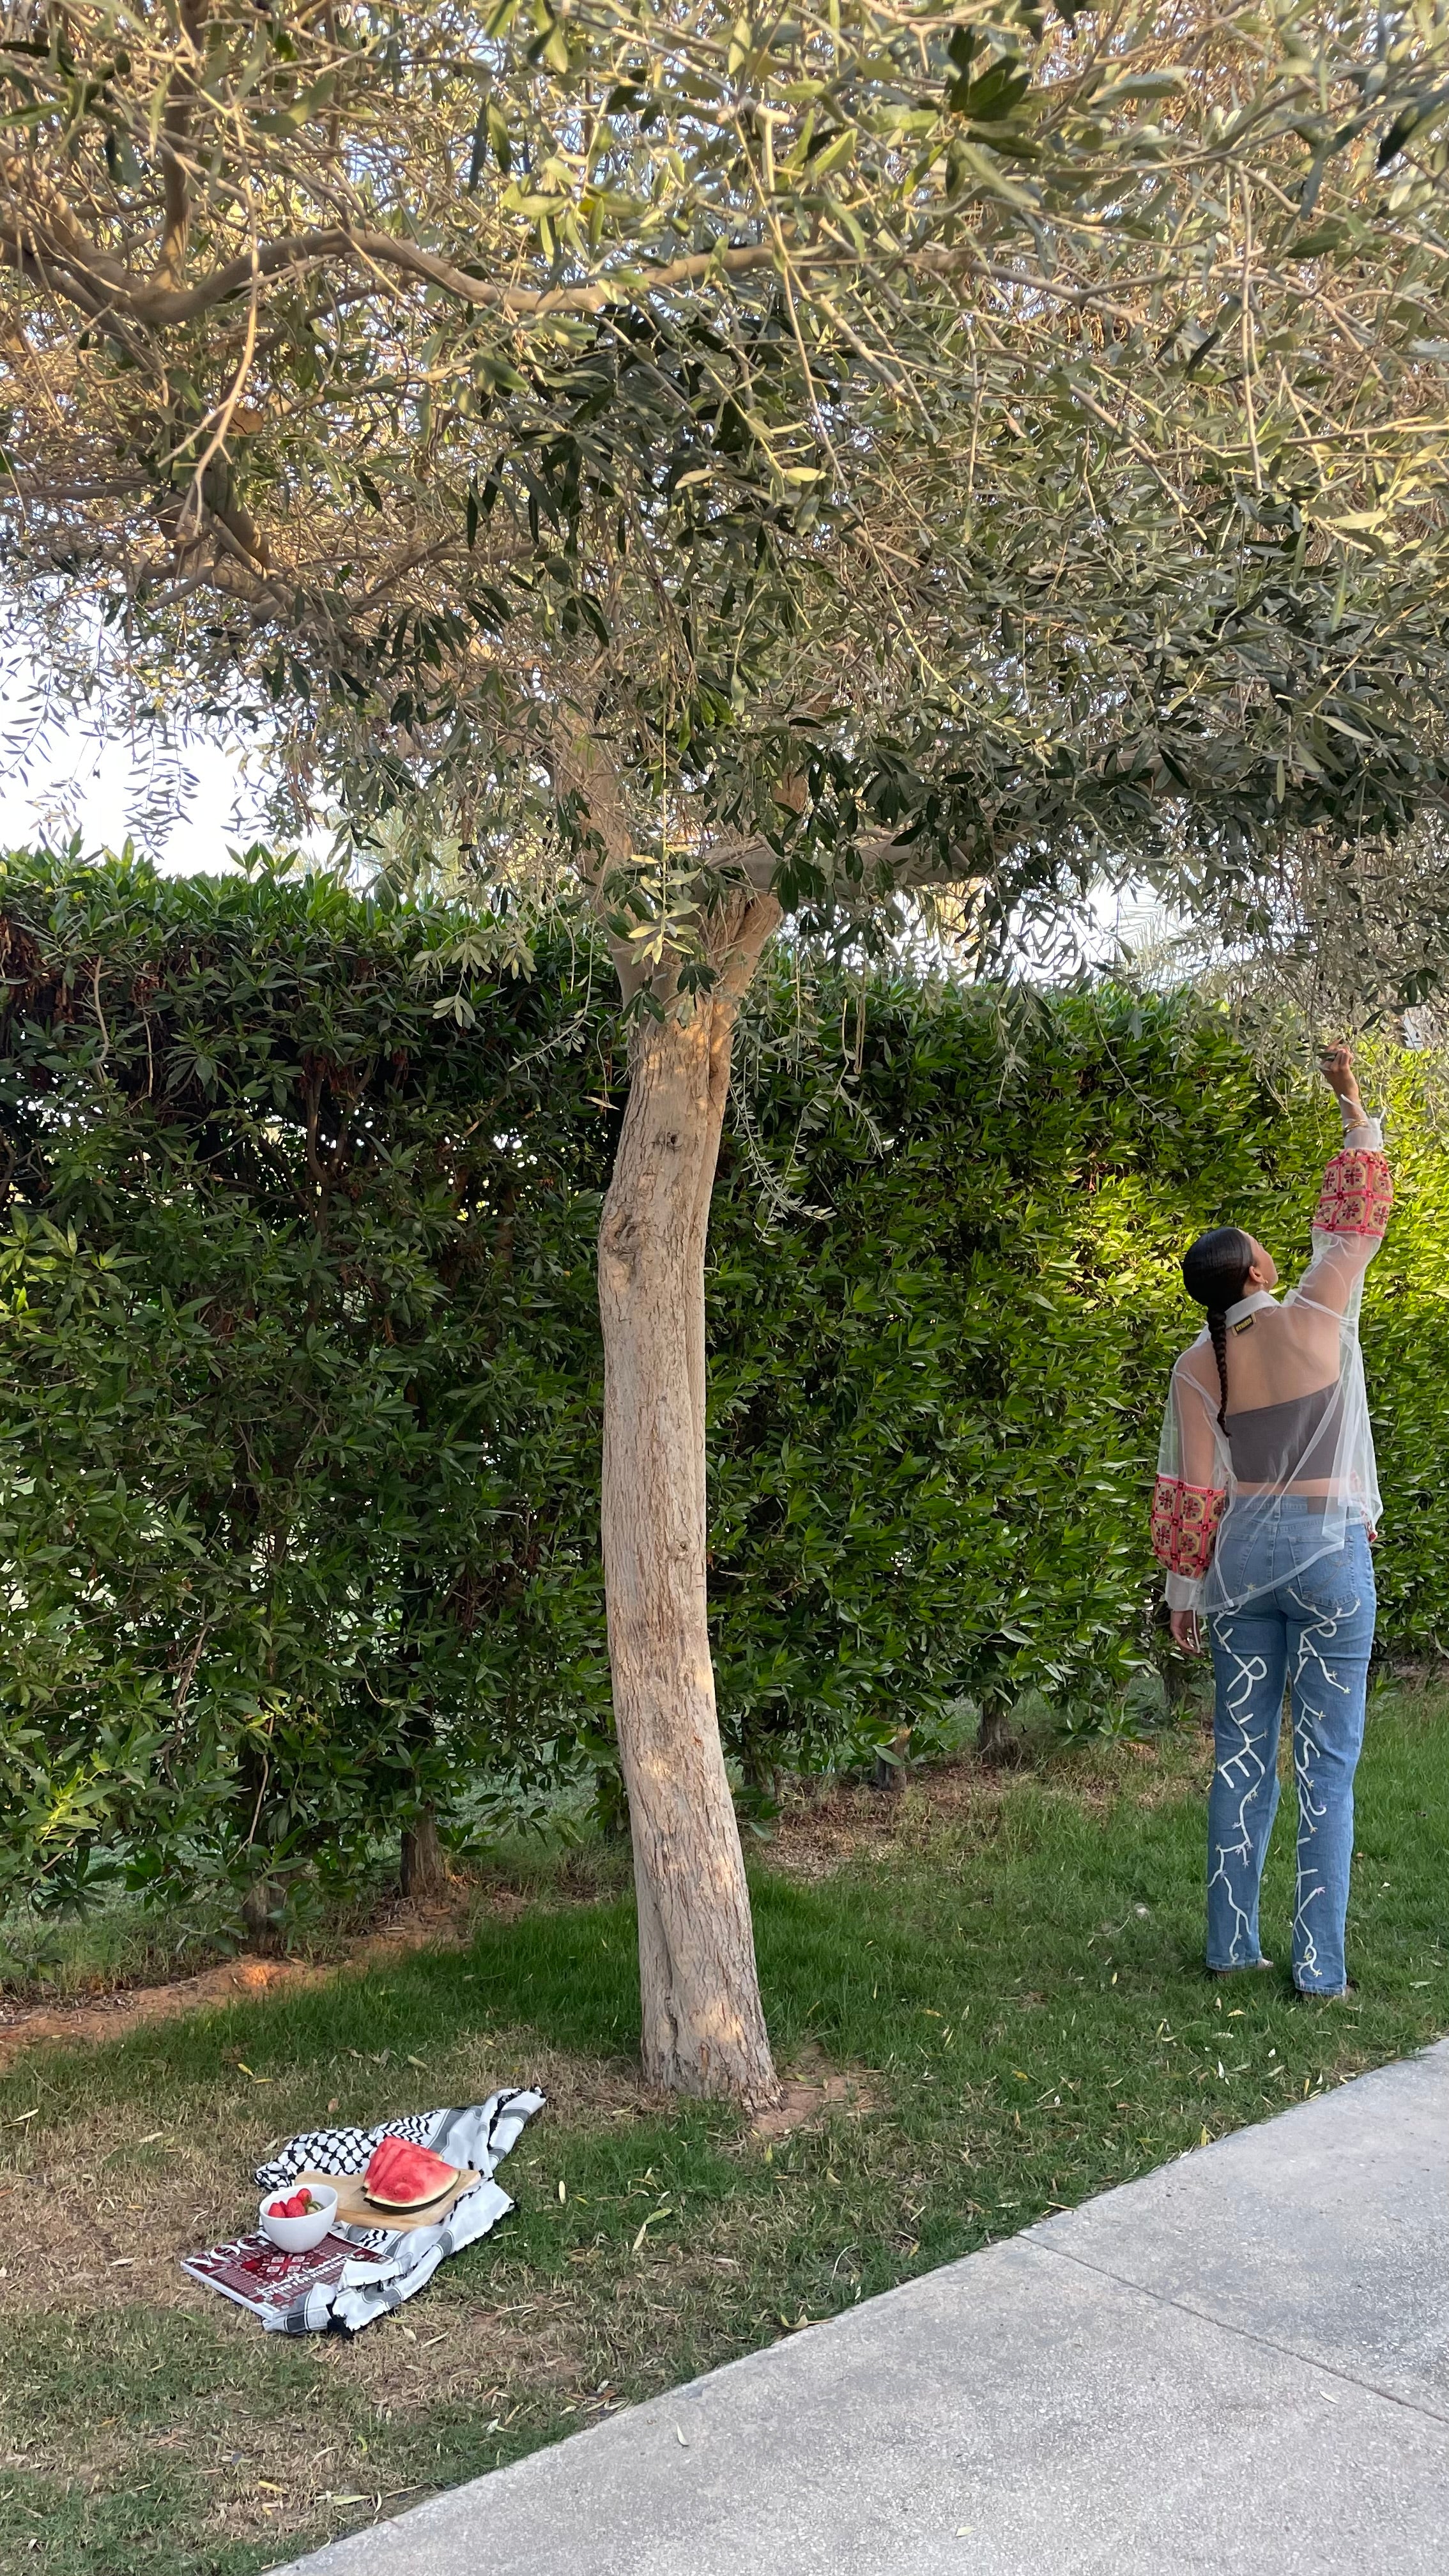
x=1336, y=1067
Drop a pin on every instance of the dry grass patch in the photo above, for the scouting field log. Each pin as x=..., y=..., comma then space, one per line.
x=825, y=1826
x=102, y=2013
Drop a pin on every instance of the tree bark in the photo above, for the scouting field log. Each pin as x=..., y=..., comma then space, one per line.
x=424, y=1871
x=703, y=2025
x=892, y=1775
x=996, y=1740
x=260, y=1906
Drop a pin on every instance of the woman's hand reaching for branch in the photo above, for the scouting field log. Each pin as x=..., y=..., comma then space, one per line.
x=1336, y=1067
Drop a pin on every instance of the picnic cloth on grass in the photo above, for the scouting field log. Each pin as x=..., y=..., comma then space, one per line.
x=479, y=2136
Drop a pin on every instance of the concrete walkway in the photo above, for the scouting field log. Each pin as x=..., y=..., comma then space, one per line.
x=1240, y=2363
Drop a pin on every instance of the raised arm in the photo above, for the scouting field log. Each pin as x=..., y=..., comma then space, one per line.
x=1352, y=1214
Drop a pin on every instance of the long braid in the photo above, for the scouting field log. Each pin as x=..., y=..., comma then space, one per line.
x=1217, y=1324
x=1215, y=1272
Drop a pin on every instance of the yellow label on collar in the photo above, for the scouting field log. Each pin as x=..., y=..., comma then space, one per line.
x=1244, y=1324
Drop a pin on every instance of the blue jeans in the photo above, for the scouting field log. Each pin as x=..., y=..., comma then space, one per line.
x=1311, y=1626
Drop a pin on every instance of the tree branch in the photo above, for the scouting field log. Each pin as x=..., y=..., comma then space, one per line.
x=760, y=865
x=175, y=128
x=52, y=251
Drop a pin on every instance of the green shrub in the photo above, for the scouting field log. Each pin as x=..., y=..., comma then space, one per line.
x=296, y=1492
x=937, y=1406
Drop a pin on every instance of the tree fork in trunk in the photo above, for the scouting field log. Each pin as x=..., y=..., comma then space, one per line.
x=703, y=2025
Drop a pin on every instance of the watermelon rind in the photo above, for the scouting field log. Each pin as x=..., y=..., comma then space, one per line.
x=407, y=2206
x=406, y=2151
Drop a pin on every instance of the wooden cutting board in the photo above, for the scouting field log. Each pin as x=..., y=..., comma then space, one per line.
x=354, y=2209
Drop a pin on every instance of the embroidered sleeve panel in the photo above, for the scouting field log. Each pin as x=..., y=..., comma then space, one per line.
x=1185, y=1525
x=1357, y=1194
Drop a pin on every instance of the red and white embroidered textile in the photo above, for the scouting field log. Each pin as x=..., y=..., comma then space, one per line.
x=1184, y=1525
x=1357, y=1195
x=1297, y=1412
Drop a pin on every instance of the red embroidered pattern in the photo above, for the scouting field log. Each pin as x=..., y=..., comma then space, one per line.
x=1357, y=1194
x=1184, y=1525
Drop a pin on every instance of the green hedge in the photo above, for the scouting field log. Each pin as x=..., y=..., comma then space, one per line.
x=936, y=1409
x=296, y=1483
x=298, y=1457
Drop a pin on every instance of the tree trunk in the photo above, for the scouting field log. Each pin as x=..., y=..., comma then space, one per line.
x=424, y=1871
x=261, y=1903
x=996, y=1740
x=704, y=2029
x=892, y=1774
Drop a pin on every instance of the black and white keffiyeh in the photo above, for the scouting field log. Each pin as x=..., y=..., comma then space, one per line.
x=479, y=2136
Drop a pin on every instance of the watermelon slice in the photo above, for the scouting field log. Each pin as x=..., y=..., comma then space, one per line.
x=401, y=2176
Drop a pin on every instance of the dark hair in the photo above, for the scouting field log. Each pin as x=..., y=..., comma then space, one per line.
x=1215, y=1272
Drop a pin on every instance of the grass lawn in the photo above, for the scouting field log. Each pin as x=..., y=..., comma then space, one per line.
x=1005, y=1971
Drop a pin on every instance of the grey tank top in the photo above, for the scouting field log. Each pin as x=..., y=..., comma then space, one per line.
x=1286, y=1444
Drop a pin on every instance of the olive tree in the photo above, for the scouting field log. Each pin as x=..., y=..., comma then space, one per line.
x=745, y=468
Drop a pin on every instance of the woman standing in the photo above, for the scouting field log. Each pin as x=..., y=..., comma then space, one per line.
x=1265, y=1505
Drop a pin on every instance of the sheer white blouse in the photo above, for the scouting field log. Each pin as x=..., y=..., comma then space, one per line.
x=1297, y=1413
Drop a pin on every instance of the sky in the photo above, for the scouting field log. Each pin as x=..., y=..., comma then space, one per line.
x=99, y=786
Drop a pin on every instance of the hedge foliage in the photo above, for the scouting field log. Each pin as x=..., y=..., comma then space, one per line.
x=298, y=1453
x=300, y=1400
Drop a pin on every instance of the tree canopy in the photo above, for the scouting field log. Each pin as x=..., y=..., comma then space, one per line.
x=946, y=441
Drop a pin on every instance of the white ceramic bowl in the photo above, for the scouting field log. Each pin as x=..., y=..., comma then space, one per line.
x=298, y=2235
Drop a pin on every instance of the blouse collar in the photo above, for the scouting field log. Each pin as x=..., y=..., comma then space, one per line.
x=1253, y=1305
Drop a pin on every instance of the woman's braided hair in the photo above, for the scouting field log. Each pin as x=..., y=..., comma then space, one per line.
x=1215, y=1273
